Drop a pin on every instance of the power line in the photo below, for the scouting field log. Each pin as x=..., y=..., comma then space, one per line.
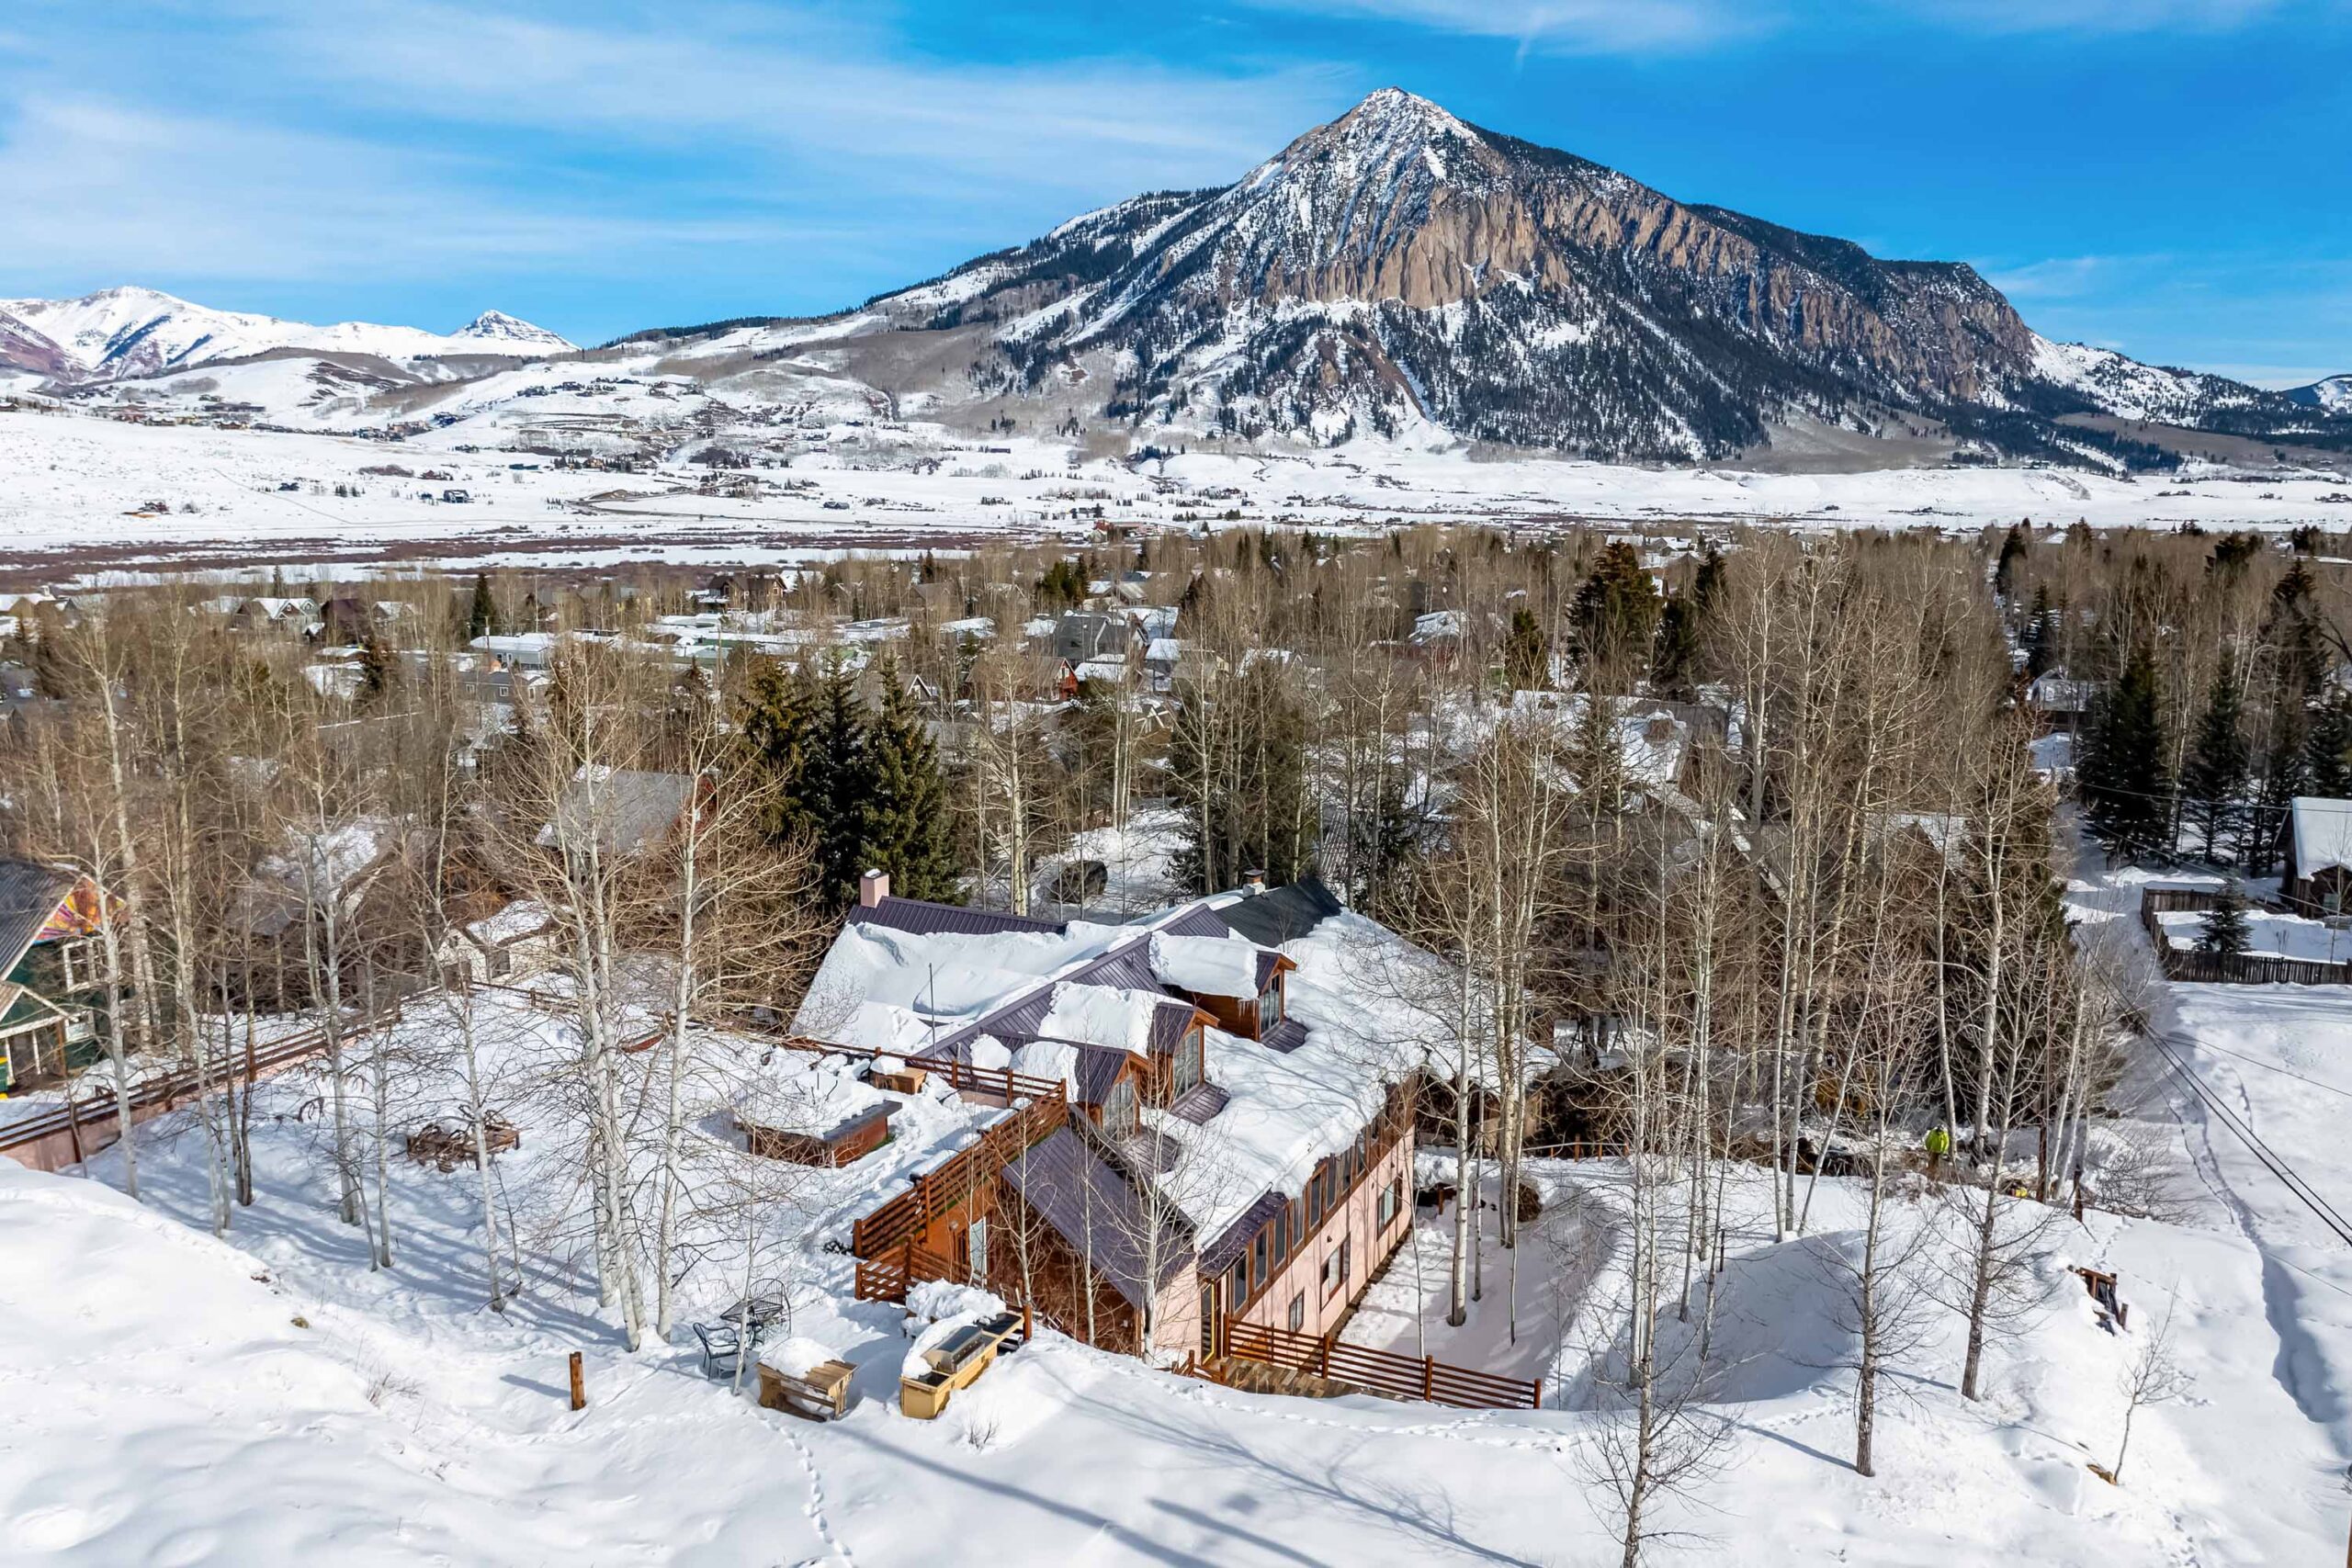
x=2270, y=1158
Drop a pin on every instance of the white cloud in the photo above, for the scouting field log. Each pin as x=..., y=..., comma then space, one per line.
x=1593, y=26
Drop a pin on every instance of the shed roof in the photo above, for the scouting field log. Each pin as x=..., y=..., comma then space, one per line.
x=627, y=809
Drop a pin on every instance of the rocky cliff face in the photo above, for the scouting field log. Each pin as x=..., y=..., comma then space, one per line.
x=1399, y=266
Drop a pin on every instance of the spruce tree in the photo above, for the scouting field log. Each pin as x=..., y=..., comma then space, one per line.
x=1617, y=610
x=481, y=614
x=839, y=784
x=2225, y=933
x=2327, y=749
x=907, y=824
x=2013, y=548
x=2212, y=784
x=2120, y=777
x=778, y=718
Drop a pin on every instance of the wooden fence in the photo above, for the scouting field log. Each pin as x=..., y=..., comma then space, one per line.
x=77, y=1128
x=2224, y=969
x=1403, y=1377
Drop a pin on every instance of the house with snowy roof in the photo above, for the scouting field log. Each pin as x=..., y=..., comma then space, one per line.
x=1235, y=1149
x=50, y=967
x=2318, y=875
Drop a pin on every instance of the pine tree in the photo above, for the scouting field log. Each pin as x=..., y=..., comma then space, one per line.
x=2038, y=632
x=907, y=824
x=2225, y=931
x=2213, y=784
x=778, y=717
x=2013, y=549
x=481, y=614
x=1617, y=610
x=839, y=784
x=2327, y=749
x=2121, y=777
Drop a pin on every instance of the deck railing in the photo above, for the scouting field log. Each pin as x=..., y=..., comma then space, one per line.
x=87, y=1124
x=941, y=1189
x=1424, y=1378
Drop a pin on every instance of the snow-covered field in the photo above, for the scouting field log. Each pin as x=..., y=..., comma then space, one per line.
x=168, y=1398
x=80, y=488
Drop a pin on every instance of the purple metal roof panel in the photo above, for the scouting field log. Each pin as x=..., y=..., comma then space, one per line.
x=925, y=919
x=1218, y=1256
x=1199, y=1103
x=1094, y=1210
x=1286, y=1036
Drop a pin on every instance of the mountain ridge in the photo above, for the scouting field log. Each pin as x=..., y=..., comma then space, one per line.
x=128, y=332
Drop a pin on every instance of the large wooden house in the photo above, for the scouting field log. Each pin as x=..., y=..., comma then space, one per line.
x=1190, y=1143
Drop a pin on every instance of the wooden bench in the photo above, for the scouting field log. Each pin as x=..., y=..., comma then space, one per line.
x=822, y=1395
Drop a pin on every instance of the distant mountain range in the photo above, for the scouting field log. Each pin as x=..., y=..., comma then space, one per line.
x=1397, y=272
x=118, y=334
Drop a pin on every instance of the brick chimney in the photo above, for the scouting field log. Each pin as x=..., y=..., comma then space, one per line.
x=872, y=889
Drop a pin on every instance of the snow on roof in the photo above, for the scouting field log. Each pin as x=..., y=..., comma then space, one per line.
x=522, y=917
x=949, y=976
x=798, y=1091
x=1205, y=965
x=2323, y=831
x=1104, y=1015
x=1650, y=740
x=1102, y=670
x=1437, y=624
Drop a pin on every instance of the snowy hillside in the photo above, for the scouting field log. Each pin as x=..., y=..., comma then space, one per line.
x=2333, y=394
x=123, y=332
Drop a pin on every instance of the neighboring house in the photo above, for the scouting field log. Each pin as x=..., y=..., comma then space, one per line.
x=517, y=943
x=2058, y=702
x=1232, y=1151
x=48, y=953
x=346, y=621
x=2318, y=876
x=1087, y=635
x=289, y=618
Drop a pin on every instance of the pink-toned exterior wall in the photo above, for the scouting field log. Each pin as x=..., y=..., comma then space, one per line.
x=1370, y=1246
x=1176, y=1320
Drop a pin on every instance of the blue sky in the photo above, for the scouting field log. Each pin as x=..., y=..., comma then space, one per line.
x=2169, y=177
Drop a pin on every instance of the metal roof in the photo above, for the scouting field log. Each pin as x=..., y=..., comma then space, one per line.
x=30, y=893
x=1093, y=1208
x=1281, y=914
x=923, y=918
x=1218, y=1256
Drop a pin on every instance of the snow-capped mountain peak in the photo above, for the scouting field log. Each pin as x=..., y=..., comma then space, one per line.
x=498, y=327
x=126, y=332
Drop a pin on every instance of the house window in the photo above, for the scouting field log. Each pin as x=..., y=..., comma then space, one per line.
x=1315, y=1202
x=1391, y=1200
x=1281, y=1237
x=1269, y=1007
x=1188, y=1062
x=1298, y=1312
x=1119, y=1108
x=1258, y=1262
x=1335, y=1270
x=1237, y=1285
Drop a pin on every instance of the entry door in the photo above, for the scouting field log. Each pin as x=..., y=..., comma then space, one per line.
x=1208, y=1321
